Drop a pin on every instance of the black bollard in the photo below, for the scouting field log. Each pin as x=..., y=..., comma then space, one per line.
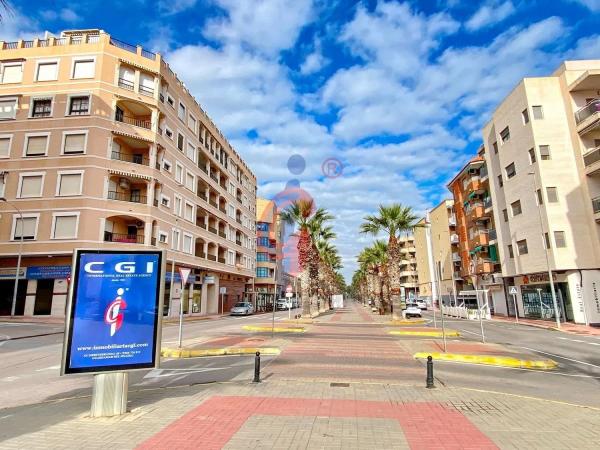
x=257, y=368
x=430, y=384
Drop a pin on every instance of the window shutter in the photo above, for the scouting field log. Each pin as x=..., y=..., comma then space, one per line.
x=65, y=227
x=13, y=74
x=36, y=145
x=47, y=71
x=147, y=82
x=84, y=69
x=70, y=184
x=31, y=186
x=8, y=109
x=28, y=227
x=126, y=74
x=4, y=147
x=74, y=143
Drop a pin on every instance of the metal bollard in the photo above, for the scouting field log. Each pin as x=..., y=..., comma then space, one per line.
x=257, y=368
x=430, y=384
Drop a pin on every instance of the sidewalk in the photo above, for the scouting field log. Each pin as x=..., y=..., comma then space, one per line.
x=566, y=327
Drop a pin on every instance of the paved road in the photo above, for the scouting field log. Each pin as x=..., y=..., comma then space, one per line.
x=30, y=367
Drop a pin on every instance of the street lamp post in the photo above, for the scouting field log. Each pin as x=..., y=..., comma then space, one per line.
x=550, y=278
x=16, y=285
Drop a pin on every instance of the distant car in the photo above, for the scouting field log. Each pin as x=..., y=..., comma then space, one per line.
x=242, y=309
x=412, y=310
x=421, y=303
x=283, y=303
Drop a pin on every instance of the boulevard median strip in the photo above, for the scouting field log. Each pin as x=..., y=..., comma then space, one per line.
x=275, y=330
x=408, y=322
x=488, y=360
x=228, y=351
x=449, y=333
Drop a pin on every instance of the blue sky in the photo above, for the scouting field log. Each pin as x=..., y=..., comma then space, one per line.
x=397, y=91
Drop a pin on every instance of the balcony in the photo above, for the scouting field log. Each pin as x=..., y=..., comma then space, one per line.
x=408, y=273
x=492, y=235
x=123, y=238
x=454, y=238
x=132, y=158
x=479, y=239
x=136, y=122
x=222, y=234
x=487, y=203
x=456, y=257
x=126, y=84
x=212, y=230
x=144, y=90
x=222, y=260
x=477, y=212
x=596, y=208
x=588, y=117
x=483, y=173
x=474, y=185
x=484, y=267
x=132, y=197
x=238, y=242
x=591, y=160
x=211, y=257
x=452, y=220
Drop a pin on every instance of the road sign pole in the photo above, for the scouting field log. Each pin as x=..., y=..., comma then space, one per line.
x=514, y=296
x=181, y=314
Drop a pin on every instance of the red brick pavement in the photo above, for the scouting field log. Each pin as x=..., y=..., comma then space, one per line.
x=212, y=424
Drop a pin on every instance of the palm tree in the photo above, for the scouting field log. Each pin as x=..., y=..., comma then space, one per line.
x=330, y=263
x=306, y=218
x=393, y=220
x=373, y=261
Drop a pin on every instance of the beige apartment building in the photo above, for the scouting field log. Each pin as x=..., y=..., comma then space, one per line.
x=409, y=284
x=541, y=150
x=436, y=269
x=102, y=146
x=268, y=284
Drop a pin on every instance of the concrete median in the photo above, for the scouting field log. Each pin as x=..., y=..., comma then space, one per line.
x=267, y=329
x=227, y=351
x=490, y=360
x=417, y=333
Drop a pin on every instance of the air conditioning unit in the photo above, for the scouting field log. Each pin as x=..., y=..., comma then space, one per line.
x=124, y=183
x=139, y=224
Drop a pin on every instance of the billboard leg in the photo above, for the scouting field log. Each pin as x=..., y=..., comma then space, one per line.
x=109, y=397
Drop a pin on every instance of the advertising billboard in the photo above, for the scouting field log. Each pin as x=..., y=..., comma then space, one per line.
x=114, y=311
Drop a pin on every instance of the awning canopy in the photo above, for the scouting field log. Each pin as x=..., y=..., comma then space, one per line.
x=130, y=174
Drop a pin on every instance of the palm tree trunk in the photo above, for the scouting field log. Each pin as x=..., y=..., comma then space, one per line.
x=394, y=257
x=305, y=284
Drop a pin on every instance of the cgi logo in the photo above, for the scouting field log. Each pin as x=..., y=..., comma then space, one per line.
x=122, y=267
x=113, y=315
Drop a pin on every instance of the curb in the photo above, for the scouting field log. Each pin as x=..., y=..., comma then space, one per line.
x=500, y=361
x=449, y=333
x=275, y=330
x=228, y=351
x=407, y=322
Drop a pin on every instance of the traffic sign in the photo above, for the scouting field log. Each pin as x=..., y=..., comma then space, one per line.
x=512, y=290
x=289, y=294
x=223, y=290
x=289, y=289
x=184, y=273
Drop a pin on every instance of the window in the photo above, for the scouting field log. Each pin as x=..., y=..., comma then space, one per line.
x=505, y=135
x=2, y=184
x=5, y=142
x=190, y=181
x=36, y=145
x=175, y=240
x=84, y=68
x=559, y=239
x=262, y=226
x=544, y=152
x=510, y=170
x=74, y=142
x=163, y=237
x=11, y=73
x=168, y=133
x=27, y=228
x=178, y=173
x=41, y=107
x=531, y=156
x=511, y=253
x=165, y=201
x=189, y=212
x=79, y=105
x=180, y=141
x=170, y=101
x=495, y=145
x=538, y=112
x=231, y=257
x=30, y=185
x=166, y=165
x=69, y=183
x=192, y=123
x=500, y=182
x=262, y=272
x=47, y=71
x=181, y=112
x=525, y=116
x=522, y=247
x=516, y=208
x=552, y=194
x=191, y=152
x=539, y=197
x=188, y=243
x=262, y=241
x=64, y=226
x=146, y=84
x=505, y=214
x=262, y=256
x=177, y=205
x=547, y=240
x=8, y=107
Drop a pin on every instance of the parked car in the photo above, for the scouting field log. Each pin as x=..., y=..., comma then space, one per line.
x=283, y=303
x=412, y=310
x=421, y=303
x=242, y=309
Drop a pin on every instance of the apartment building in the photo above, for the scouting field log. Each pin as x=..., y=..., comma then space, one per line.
x=408, y=267
x=268, y=284
x=436, y=268
x=541, y=150
x=103, y=146
x=474, y=242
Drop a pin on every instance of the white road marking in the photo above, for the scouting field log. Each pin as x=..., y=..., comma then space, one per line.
x=158, y=373
x=470, y=332
x=6, y=417
x=578, y=340
x=9, y=378
x=561, y=357
x=48, y=368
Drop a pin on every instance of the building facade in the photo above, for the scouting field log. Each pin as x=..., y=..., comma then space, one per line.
x=541, y=150
x=268, y=284
x=102, y=146
x=440, y=268
x=474, y=242
x=409, y=282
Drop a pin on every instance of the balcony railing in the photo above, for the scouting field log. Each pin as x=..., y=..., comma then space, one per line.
x=212, y=230
x=10, y=45
x=591, y=157
x=222, y=209
x=143, y=123
x=238, y=242
x=214, y=177
x=493, y=234
x=136, y=159
x=456, y=257
x=201, y=255
x=587, y=111
x=146, y=91
x=222, y=234
x=149, y=55
x=487, y=202
x=123, y=45
x=211, y=257
x=126, y=84
x=127, y=197
x=596, y=204
x=161, y=97
x=213, y=203
x=454, y=238
x=124, y=238
x=222, y=260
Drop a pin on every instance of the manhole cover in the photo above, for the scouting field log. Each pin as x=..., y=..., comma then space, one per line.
x=339, y=384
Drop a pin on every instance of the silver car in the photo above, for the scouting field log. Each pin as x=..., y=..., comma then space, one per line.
x=242, y=309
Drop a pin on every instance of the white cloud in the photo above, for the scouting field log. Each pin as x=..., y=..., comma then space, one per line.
x=170, y=7
x=64, y=14
x=16, y=26
x=314, y=61
x=490, y=13
x=593, y=5
x=585, y=48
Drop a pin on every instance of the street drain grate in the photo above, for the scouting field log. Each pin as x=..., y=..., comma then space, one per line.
x=339, y=384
